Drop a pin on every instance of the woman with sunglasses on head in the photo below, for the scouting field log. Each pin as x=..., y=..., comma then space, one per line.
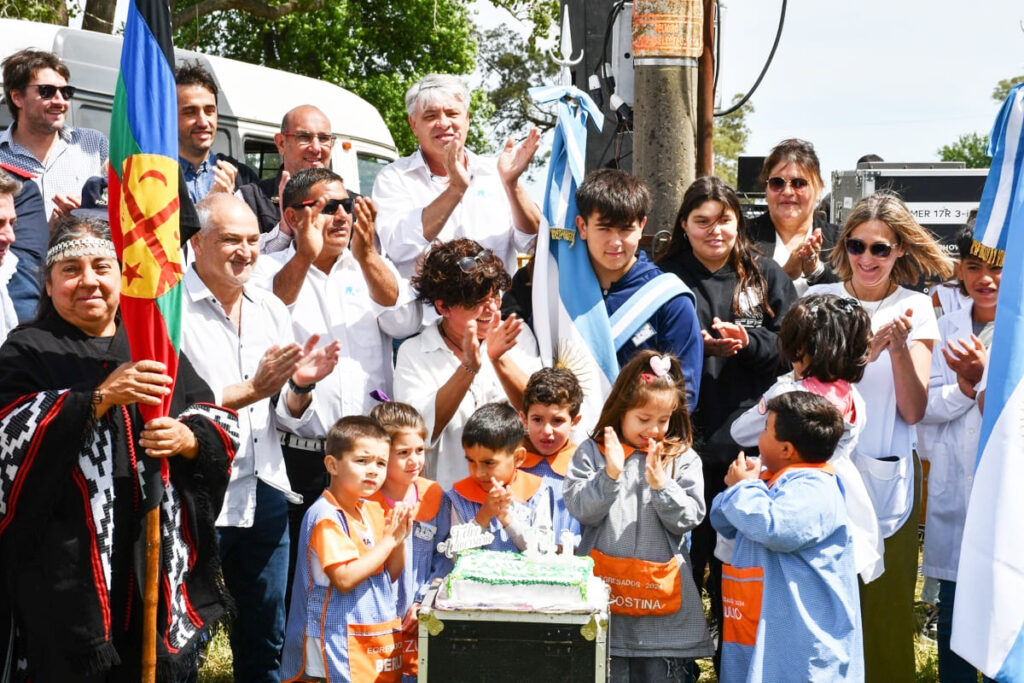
x=883, y=251
x=741, y=299
x=469, y=357
x=791, y=232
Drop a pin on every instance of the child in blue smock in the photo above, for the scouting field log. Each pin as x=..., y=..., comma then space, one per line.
x=828, y=341
x=343, y=624
x=422, y=497
x=551, y=410
x=497, y=495
x=790, y=602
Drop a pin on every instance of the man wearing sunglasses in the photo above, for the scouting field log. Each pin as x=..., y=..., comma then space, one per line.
x=305, y=141
x=338, y=286
x=39, y=141
x=443, y=191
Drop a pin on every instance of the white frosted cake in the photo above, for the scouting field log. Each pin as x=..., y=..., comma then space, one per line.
x=514, y=581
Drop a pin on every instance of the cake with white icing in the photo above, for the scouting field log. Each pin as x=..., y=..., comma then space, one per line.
x=517, y=581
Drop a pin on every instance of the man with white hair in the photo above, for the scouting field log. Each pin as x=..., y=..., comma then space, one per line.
x=443, y=191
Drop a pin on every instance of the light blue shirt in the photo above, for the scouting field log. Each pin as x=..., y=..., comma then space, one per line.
x=76, y=155
x=796, y=531
x=199, y=180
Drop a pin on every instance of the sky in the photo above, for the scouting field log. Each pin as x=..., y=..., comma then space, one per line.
x=897, y=78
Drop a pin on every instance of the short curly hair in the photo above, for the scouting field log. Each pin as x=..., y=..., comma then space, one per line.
x=553, y=386
x=440, y=278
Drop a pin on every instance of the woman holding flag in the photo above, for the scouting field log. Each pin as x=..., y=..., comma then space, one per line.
x=79, y=469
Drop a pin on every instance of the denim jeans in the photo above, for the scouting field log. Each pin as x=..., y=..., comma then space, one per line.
x=952, y=667
x=255, y=564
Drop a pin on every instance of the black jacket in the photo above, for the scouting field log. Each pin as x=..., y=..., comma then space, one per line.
x=57, y=462
x=263, y=200
x=761, y=232
x=729, y=386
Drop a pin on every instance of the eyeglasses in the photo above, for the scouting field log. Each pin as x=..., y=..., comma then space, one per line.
x=48, y=92
x=305, y=138
x=856, y=247
x=331, y=207
x=468, y=264
x=777, y=184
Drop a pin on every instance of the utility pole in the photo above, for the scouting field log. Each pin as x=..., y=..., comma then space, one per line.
x=667, y=39
x=706, y=96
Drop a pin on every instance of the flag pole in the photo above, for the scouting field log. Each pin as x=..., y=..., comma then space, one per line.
x=145, y=200
x=151, y=595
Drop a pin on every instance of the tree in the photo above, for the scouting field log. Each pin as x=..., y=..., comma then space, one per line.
x=48, y=12
x=1002, y=88
x=972, y=148
x=969, y=148
x=375, y=49
x=511, y=67
x=730, y=140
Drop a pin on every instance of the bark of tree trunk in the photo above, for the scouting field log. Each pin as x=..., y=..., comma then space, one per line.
x=99, y=15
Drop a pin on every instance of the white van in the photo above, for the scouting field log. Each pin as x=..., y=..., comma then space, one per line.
x=253, y=100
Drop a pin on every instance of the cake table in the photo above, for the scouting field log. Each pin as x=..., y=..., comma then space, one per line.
x=495, y=646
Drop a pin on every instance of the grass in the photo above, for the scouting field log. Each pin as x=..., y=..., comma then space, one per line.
x=217, y=667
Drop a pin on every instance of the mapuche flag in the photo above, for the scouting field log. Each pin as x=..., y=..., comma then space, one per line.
x=144, y=190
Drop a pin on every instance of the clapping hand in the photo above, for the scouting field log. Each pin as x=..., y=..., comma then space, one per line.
x=224, y=175
x=732, y=339
x=502, y=337
x=276, y=366
x=893, y=335
x=654, y=472
x=742, y=468
x=455, y=165
x=497, y=504
x=364, y=213
x=967, y=358
x=513, y=161
x=315, y=364
x=399, y=525
x=614, y=455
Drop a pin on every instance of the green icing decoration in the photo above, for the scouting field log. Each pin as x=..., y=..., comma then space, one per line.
x=508, y=568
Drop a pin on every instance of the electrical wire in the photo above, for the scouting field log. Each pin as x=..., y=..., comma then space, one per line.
x=600, y=70
x=764, y=70
x=718, y=44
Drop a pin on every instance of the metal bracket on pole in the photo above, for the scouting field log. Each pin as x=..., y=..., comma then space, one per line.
x=566, y=60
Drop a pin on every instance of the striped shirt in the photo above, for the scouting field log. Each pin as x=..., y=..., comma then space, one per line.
x=76, y=155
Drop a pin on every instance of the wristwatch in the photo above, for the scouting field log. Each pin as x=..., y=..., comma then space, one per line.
x=296, y=389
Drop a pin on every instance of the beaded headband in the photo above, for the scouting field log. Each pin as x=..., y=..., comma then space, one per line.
x=83, y=246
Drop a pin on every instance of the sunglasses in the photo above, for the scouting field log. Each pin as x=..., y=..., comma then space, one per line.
x=778, y=184
x=48, y=92
x=856, y=247
x=468, y=264
x=331, y=207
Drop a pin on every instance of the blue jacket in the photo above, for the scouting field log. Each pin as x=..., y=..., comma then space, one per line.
x=674, y=328
x=790, y=598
